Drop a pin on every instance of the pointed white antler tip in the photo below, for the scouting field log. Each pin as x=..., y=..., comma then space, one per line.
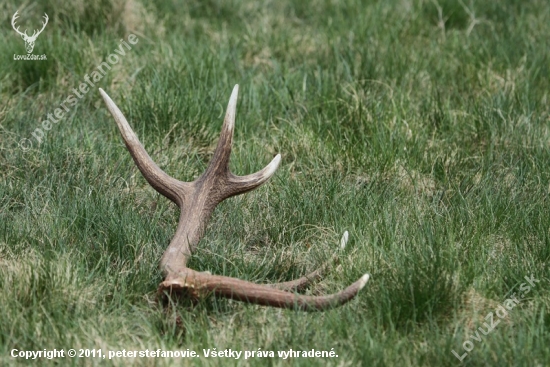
x=344, y=240
x=272, y=167
x=229, y=121
x=109, y=102
x=103, y=94
x=364, y=279
x=127, y=132
x=234, y=95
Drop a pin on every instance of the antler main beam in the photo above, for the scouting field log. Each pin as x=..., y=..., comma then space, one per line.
x=197, y=201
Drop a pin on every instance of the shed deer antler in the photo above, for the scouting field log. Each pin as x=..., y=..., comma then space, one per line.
x=197, y=201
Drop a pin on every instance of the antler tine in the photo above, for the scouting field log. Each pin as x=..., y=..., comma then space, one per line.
x=219, y=165
x=301, y=283
x=241, y=184
x=168, y=186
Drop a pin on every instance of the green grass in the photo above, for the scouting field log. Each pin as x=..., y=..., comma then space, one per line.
x=421, y=127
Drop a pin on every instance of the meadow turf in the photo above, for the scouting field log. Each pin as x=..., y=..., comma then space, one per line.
x=421, y=127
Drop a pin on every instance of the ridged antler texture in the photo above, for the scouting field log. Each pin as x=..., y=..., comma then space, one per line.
x=197, y=201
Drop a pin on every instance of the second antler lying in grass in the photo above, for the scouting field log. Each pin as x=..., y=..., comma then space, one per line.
x=197, y=201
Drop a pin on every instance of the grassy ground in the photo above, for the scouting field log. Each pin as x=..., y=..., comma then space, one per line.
x=422, y=127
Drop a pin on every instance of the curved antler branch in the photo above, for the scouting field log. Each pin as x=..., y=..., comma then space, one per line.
x=168, y=186
x=197, y=201
x=241, y=184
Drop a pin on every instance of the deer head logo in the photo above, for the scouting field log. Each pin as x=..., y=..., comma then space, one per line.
x=29, y=40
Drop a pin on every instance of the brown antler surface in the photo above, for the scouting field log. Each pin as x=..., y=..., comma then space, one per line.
x=197, y=201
